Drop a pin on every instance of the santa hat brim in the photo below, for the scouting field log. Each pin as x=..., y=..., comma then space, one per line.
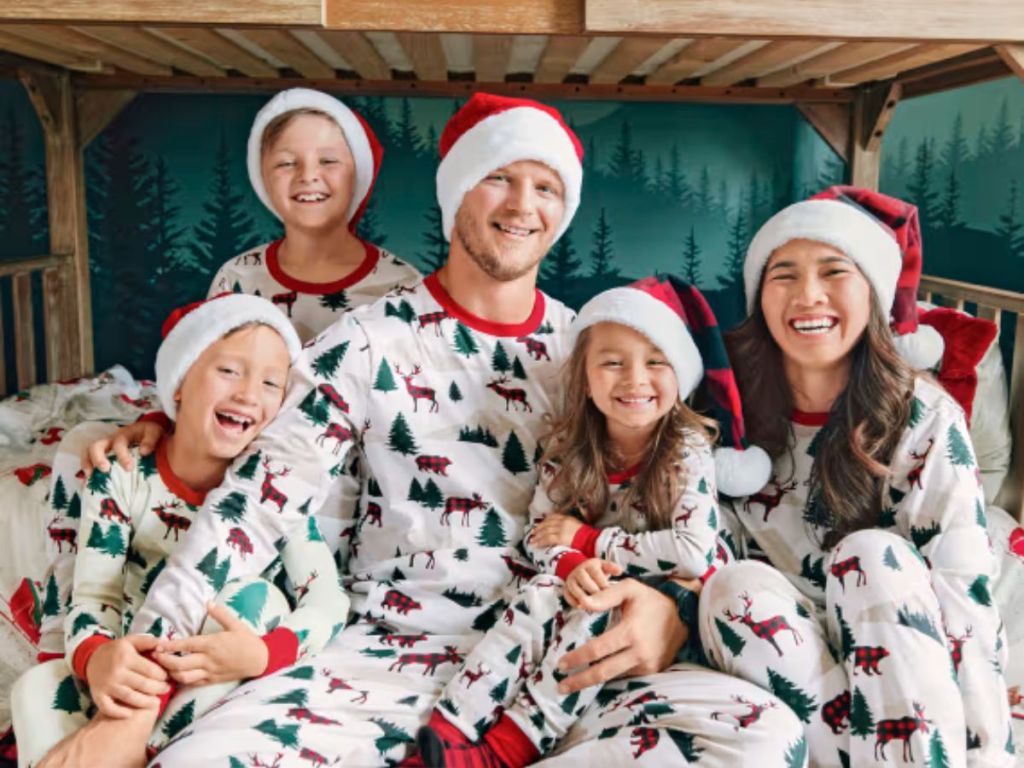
x=351, y=127
x=520, y=133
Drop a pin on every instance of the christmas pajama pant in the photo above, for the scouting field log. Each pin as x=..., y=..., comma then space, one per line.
x=361, y=700
x=48, y=702
x=855, y=672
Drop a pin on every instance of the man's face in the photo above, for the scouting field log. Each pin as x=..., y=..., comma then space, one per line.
x=508, y=221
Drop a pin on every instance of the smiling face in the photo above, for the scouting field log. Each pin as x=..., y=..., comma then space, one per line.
x=508, y=221
x=309, y=172
x=232, y=391
x=816, y=303
x=628, y=379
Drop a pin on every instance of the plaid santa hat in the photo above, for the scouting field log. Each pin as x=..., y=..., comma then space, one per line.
x=362, y=142
x=677, y=319
x=190, y=329
x=490, y=131
x=881, y=234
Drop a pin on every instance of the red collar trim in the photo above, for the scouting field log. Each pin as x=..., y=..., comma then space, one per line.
x=524, y=328
x=809, y=419
x=365, y=267
x=175, y=484
x=618, y=478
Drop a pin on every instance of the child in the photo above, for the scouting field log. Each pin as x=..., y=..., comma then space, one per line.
x=221, y=375
x=313, y=162
x=627, y=488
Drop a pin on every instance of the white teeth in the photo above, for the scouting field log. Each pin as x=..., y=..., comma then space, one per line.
x=816, y=326
x=517, y=231
x=636, y=400
x=244, y=423
x=311, y=197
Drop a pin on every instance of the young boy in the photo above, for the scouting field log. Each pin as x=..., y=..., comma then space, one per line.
x=221, y=376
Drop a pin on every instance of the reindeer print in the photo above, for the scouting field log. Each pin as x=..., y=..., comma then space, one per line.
x=434, y=319
x=338, y=433
x=172, y=521
x=766, y=629
x=914, y=475
x=745, y=719
x=841, y=568
x=286, y=300
x=511, y=395
x=430, y=661
x=267, y=490
x=901, y=729
x=471, y=676
x=769, y=500
x=417, y=392
x=61, y=536
x=463, y=505
x=404, y=641
x=338, y=684
x=956, y=650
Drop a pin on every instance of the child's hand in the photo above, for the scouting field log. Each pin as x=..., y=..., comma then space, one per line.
x=122, y=679
x=555, y=530
x=236, y=653
x=145, y=434
x=589, y=578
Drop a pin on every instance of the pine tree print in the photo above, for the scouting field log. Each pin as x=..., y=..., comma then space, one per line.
x=685, y=744
x=75, y=507
x=385, y=381
x=845, y=633
x=326, y=363
x=796, y=755
x=937, y=755
x=59, y=497
x=147, y=465
x=730, y=638
x=433, y=498
x=249, y=601
x=51, y=603
x=499, y=360
x=513, y=457
x=917, y=409
x=248, y=470
x=301, y=673
x=83, y=621
x=813, y=571
x=979, y=514
x=313, y=530
x=517, y=369
x=232, y=507
x=512, y=657
x=464, y=342
x=67, y=698
x=488, y=618
x=285, y=735
x=569, y=703
x=216, y=573
x=803, y=706
x=921, y=536
x=415, y=490
x=403, y=311
x=315, y=408
x=296, y=696
x=454, y=393
x=957, y=450
x=919, y=621
x=492, y=532
x=979, y=591
x=179, y=720
x=400, y=438
x=498, y=692
x=465, y=599
x=334, y=301
x=862, y=723
x=151, y=576
x=890, y=560
x=98, y=481
x=393, y=736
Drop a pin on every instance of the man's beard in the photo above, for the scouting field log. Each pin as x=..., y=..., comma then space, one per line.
x=490, y=261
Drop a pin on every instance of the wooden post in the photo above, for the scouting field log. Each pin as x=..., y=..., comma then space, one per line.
x=1013, y=55
x=873, y=108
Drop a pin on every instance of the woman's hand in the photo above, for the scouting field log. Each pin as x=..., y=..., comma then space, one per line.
x=121, y=679
x=589, y=578
x=555, y=530
x=106, y=742
x=236, y=653
x=145, y=434
x=646, y=638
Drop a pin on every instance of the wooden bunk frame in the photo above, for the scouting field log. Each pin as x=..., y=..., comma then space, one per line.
x=844, y=65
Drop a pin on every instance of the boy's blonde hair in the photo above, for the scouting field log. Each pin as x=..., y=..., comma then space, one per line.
x=276, y=126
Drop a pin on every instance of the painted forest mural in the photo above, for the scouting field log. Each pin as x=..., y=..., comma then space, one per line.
x=667, y=188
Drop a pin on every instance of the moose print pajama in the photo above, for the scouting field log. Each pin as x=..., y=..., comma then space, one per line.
x=448, y=408
x=889, y=646
x=130, y=522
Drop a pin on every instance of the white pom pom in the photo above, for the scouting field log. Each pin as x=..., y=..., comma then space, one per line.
x=922, y=349
x=742, y=473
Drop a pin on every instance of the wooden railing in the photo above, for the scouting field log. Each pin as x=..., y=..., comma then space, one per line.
x=992, y=304
x=53, y=270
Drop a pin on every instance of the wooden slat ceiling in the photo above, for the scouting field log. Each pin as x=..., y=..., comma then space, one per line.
x=155, y=52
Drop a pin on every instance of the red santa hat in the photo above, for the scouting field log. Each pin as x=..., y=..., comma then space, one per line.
x=362, y=142
x=883, y=237
x=190, y=329
x=677, y=319
x=490, y=131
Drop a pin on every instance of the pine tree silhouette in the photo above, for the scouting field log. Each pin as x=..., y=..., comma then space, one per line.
x=248, y=470
x=454, y=393
x=405, y=136
x=736, y=249
x=702, y=202
x=492, y=533
x=464, y=342
x=691, y=260
x=559, y=268
x=285, y=735
x=51, y=603
x=385, y=381
x=435, y=252
x=955, y=152
x=400, y=438
x=919, y=189
x=862, y=723
x=368, y=229
x=67, y=699
x=179, y=720
x=249, y=601
x=676, y=186
x=792, y=695
x=730, y=638
x=22, y=194
x=513, y=457
x=499, y=360
x=327, y=362
x=957, y=450
x=232, y=507
x=59, y=497
x=627, y=164
x=949, y=211
x=1010, y=227
x=1002, y=132
x=601, y=254
x=433, y=498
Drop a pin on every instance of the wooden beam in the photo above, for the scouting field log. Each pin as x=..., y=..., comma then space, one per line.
x=832, y=122
x=843, y=57
x=1013, y=55
x=893, y=65
x=68, y=311
x=90, y=47
x=629, y=54
x=219, y=49
x=290, y=51
x=24, y=331
x=358, y=51
x=932, y=20
x=873, y=108
x=693, y=58
x=559, y=57
x=426, y=54
x=971, y=68
x=32, y=264
x=524, y=17
x=490, y=57
x=290, y=13
x=155, y=48
x=47, y=53
x=767, y=59
x=96, y=109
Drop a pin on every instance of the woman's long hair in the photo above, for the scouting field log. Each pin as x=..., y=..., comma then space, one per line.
x=854, y=450
x=579, y=447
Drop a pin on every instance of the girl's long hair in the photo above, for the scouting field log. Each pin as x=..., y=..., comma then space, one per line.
x=854, y=449
x=581, y=451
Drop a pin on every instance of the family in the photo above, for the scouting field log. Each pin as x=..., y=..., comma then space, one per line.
x=440, y=521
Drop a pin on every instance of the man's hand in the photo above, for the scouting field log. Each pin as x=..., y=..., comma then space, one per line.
x=646, y=638
x=121, y=679
x=236, y=653
x=555, y=530
x=106, y=742
x=145, y=434
x=589, y=578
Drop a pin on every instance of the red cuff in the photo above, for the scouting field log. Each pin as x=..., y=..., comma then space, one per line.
x=84, y=652
x=165, y=699
x=585, y=540
x=158, y=417
x=567, y=563
x=282, y=649
x=44, y=656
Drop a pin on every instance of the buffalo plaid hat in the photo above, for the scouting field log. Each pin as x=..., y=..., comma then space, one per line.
x=677, y=319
